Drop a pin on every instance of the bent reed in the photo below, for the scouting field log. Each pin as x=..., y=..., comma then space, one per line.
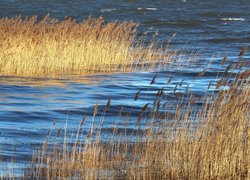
x=184, y=141
x=29, y=47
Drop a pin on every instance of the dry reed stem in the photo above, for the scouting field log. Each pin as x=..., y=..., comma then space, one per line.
x=216, y=147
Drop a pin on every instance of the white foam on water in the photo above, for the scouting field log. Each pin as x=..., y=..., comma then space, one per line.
x=152, y=9
x=233, y=19
x=108, y=10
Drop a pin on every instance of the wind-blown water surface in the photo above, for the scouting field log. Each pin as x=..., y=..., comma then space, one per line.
x=30, y=106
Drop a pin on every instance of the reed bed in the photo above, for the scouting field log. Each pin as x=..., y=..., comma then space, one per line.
x=49, y=47
x=210, y=142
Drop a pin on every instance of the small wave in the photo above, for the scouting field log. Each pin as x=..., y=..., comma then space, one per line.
x=108, y=10
x=233, y=19
x=152, y=9
x=149, y=9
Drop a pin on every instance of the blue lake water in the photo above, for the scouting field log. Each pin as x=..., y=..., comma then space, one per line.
x=30, y=106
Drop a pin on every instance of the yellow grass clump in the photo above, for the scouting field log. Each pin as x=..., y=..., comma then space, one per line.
x=207, y=143
x=29, y=47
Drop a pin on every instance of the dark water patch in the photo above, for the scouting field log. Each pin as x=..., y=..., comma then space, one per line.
x=23, y=133
x=229, y=40
x=176, y=23
x=24, y=117
x=222, y=14
x=205, y=74
x=113, y=111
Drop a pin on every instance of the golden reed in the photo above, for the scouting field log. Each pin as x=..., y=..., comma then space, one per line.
x=29, y=47
x=187, y=143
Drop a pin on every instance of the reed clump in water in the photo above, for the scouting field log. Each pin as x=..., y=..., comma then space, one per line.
x=29, y=47
x=188, y=142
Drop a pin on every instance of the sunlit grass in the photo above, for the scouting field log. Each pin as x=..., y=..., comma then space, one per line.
x=207, y=143
x=29, y=47
x=179, y=141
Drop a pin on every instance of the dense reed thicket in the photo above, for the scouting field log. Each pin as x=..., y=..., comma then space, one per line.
x=210, y=141
x=197, y=138
x=29, y=47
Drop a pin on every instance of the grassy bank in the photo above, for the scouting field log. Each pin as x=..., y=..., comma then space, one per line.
x=209, y=142
x=29, y=47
